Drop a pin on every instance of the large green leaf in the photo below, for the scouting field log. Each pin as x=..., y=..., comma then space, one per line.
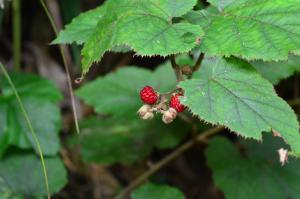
x=251, y=29
x=39, y=97
x=21, y=176
x=230, y=92
x=256, y=173
x=118, y=93
x=144, y=25
x=150, y=191
x=276, y=71
x=109, y=141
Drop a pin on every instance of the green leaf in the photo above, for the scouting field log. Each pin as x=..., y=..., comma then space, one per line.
x=251, y=29
x=150, y=191
x=119, y=94
x=21, y=176
x=257, y=171
x=221, y=4
x=276, y=71
x=175, y=8
x=81, y=27
x=230, y=92
x=143, y=25
x=39, y=97
x=29, y=85
x=108, y=141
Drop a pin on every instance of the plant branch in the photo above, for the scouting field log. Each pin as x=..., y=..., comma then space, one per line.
x=156, y=167
x=176, y=69
x=198, y=62
x=70, y=87
x=16, y=34
x=31, y=129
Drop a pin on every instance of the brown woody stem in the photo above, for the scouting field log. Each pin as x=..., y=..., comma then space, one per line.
x=176, y=69
x=156, y=167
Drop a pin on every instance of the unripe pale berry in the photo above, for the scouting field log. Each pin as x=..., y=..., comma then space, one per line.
x=143, y=110
x=169, y=116
x=148, y=95
x=175, y=103
x=148, y=116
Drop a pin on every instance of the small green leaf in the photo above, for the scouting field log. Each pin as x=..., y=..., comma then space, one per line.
x=150, y=191
x=39, y=97
x=251, y=29
x=108, y=141
x=230, y=92
x=119, y=94
x=276, y=71
x=81, y=27
x=256, y=173
x=21, y=176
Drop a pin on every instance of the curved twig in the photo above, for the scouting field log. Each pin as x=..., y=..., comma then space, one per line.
x=156, y=167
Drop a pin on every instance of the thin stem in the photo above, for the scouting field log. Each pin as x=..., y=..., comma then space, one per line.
x=16, y=34
x=156, y=167
x=70, y=87
x=198, y=62
x=176, y=69
x=31, y=129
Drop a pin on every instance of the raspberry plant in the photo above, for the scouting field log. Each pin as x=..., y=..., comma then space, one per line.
x=222, y=60
x=237, y=46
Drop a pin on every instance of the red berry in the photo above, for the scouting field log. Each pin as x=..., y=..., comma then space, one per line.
x=148, y=95
x=175, y=103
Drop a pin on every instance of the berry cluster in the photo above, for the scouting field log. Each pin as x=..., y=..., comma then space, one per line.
x=155, y=102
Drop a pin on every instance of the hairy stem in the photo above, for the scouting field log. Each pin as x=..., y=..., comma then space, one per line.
x=16, y=34
x=31, y=129
x=156, y=167
x=198, y=62
x=176, y=69
x=70, y=87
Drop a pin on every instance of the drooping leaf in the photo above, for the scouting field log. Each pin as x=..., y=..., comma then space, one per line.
x=108, y=141
x=232, y=93
x=150, y=191
x=81, y=27
x=21, y=176
x=145, y=26
x=251, y=29
x=257, y=171
x=119, y=94
x=39, y=97
x=276, y=71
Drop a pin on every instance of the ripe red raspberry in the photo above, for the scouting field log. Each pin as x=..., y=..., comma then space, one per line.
x=148, y=95
x=175, y=103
